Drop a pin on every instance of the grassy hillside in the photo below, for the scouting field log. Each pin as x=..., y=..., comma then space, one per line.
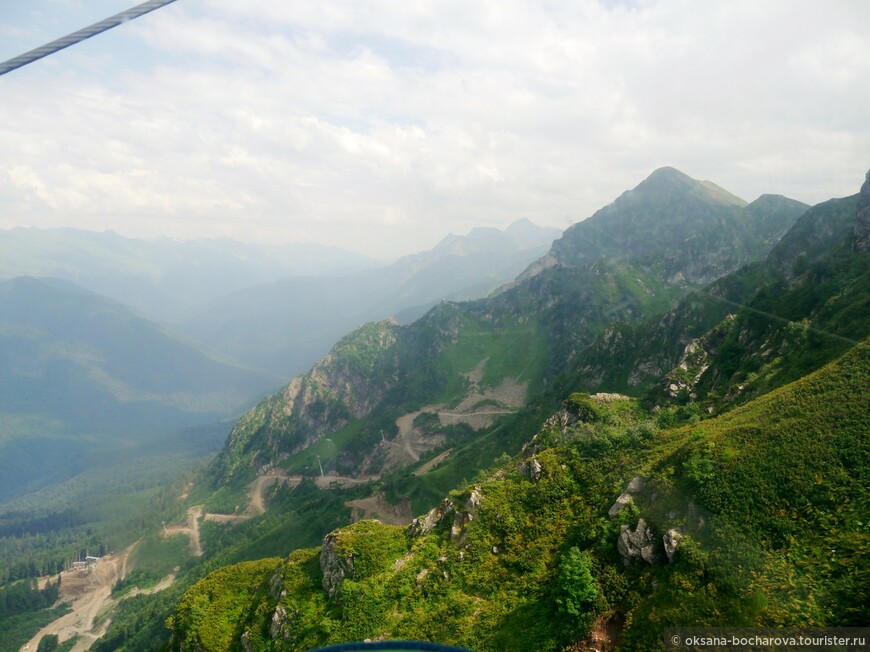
x=769, y=501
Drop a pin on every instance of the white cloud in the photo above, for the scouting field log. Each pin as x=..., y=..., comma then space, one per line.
x=380, y=126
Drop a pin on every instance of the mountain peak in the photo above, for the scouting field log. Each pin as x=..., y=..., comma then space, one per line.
x=688, y=231
x=668, y=173
x=669, y=179
x=521, y=224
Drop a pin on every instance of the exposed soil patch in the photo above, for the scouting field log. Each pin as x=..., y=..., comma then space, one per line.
x=378, y=507
x=508, y=395
x=257, y=503
x=89, y=592
x=326, y=481
x=411, y=442
x=604, y=636
x=478, y=409
x=186, y=492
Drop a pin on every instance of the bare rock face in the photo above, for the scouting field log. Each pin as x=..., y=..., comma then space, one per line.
x=309, y=407
x=278, y=628
x=671, y=541
x=625, y=498
x=534, y=470
x=639, y=543
x=333, y=565
x=635, y=485
x=695, y=361
x=425, y=524
x=862, y=221
x=462, y=516
x=276, y=584
x=475, y=500
x=621, y=503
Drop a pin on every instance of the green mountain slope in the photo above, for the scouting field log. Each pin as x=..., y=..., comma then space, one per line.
x=752, y=518
x=753, y=330
x=496, y=355
x=688, y=232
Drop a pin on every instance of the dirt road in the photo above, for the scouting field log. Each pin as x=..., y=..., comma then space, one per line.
x=190, y=529
x=256, y=498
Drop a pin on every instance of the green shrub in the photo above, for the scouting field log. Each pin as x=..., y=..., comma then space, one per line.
x=577, y=592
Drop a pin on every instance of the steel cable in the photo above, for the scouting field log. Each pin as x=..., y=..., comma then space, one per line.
x=81, y=35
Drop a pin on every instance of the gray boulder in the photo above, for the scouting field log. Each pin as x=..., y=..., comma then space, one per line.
x=633, y=488
x=637, y=544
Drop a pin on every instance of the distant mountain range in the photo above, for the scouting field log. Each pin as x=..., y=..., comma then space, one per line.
x=164, y=279
x=286, y=326
x=83, y=375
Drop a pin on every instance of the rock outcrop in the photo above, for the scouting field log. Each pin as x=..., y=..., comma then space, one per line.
x=432, y=519
x=462, y=516
x=334, y=566
x=637, y=544
x=621, y=503
x=278, y=627
x=695, y=361
x=532, y=469
x=626, y=497
x=337, y=389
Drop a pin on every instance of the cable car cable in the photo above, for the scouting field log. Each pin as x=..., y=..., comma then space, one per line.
x=81, y=35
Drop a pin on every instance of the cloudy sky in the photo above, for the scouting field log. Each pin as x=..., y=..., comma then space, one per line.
x=379, y=126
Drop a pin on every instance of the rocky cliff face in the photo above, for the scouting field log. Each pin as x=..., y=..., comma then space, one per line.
x=347, y=384
x=862, y=222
